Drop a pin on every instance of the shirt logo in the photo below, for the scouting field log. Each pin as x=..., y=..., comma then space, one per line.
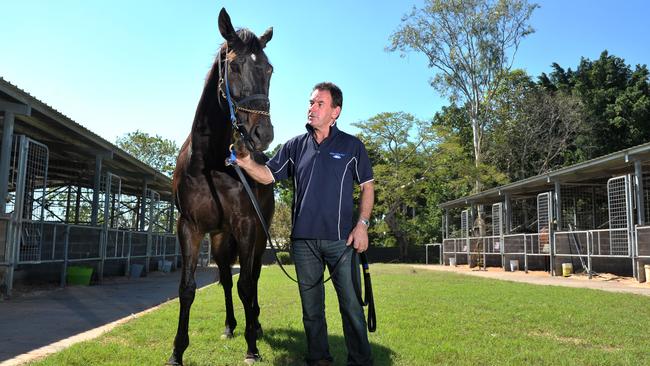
x=336, y=155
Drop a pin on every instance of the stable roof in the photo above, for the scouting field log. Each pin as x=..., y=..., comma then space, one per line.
x=594, y=171
x=73, y=148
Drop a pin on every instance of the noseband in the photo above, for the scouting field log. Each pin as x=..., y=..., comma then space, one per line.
x=236, y=106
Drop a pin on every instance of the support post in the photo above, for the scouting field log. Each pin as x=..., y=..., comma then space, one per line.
x=143, y=206
x=446, y=231
x=557, y=205
x=96, y=189
x=507, y=207
x=5, y=158
x=640, y=202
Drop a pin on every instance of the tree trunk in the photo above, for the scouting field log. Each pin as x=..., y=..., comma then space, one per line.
x=478, y=186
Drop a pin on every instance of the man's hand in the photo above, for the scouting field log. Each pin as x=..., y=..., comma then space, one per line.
x=359, y=237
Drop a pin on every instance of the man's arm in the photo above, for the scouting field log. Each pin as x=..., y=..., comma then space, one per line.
x=259, y=172
x=359, y=235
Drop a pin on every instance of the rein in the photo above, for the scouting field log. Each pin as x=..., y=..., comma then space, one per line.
x=250, y=145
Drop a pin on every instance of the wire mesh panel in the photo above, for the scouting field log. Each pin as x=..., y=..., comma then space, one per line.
x=497, y=225
x=544, y=220
x=464, y=224
x=618, y=204
x=524, y=215
x=584, y=207
x=32, y=184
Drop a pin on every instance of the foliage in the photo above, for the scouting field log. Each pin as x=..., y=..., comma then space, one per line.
x=416, y=165
x=544, y=126
x=282, y=218
x=285, y=258
x=396, y=143
x=470, y=44
x=424, y=318
x=615, y=98
x=156, y=151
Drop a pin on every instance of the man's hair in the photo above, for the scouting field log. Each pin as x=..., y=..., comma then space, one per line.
x=335, y=92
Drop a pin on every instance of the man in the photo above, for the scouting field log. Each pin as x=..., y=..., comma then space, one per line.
x=324, y=163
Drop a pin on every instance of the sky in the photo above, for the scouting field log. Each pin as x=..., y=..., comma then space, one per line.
x=122, y=65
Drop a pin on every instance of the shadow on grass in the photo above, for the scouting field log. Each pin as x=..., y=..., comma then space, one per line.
x=290, y=346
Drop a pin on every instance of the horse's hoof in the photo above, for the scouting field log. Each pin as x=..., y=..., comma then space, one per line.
x=227, y=333
x=251, y=358
x=172, y=362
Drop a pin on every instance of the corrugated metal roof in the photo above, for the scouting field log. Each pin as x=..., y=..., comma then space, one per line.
x=52, y=124
x=595, y=170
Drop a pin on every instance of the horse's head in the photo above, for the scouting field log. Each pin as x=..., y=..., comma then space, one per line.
x=245, y=76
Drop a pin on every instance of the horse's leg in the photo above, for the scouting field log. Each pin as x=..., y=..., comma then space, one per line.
x=250, y=254
x=223, y=251
x=190, y=239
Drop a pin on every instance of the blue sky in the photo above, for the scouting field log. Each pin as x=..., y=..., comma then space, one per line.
x=117, y=66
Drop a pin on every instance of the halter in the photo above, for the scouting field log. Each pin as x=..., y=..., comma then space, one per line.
x=234, y=106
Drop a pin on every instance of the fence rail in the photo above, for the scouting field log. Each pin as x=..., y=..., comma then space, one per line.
x=642, y=239
x=31, y=242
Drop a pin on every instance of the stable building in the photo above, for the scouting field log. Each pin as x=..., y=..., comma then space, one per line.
x=591, y=217
x=68, y=196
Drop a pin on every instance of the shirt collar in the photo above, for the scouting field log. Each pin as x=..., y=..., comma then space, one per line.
x=333, y=131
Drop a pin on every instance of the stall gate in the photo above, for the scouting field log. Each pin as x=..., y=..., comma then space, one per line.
x=24, y=226
x=497, y=226
x=30, y=194
x=620, y=212
x=544, y=220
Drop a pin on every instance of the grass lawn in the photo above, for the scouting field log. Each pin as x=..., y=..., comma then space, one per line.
x=424, y=318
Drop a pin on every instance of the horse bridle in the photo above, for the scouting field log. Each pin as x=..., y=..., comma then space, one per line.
x=236, y=106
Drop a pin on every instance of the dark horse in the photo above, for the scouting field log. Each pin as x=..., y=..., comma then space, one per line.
x=210, y=197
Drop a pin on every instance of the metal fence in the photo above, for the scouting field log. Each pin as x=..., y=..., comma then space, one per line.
x=5, y=230
x=59, y=241
x=642, y=236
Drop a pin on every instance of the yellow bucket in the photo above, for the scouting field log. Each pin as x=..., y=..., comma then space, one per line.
x=567, y=269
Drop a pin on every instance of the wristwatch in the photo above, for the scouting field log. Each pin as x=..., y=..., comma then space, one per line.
x=365, y=222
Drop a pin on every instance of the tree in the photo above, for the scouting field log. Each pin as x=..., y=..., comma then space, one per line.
x=544, y=126
x=282, y=220
x=396, y=142
x=616, y=98
x=470, y=43
x=156, y=151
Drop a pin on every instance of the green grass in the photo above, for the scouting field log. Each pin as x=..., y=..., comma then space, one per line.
x=424, y=318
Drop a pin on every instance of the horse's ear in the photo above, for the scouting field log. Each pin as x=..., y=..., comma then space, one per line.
x=227, y=31
x=266, y=37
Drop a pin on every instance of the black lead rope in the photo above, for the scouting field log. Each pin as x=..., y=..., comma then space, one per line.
x=369, y=300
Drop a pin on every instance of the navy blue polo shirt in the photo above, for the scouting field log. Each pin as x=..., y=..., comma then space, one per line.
x=323, y=180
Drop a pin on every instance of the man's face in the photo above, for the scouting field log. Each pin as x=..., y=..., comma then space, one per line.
x=321, y=114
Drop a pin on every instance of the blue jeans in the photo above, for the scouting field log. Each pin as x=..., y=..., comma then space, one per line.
x=310, y=258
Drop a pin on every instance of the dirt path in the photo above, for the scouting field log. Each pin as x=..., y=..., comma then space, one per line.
x=605, y=282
